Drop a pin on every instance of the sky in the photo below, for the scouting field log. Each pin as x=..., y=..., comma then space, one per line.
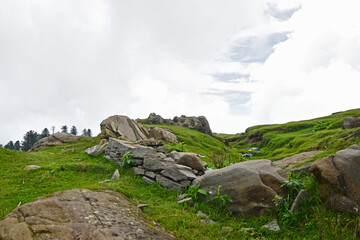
x=238, y=63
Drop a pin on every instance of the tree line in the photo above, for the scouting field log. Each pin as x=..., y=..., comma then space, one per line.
x=31, y=137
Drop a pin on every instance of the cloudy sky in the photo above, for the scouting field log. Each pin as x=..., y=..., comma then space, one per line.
x=239, y=63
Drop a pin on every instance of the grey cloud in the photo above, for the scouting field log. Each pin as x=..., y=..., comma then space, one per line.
x=281, y=15
x=231, y=77
x=235, y=99
x=256, y=48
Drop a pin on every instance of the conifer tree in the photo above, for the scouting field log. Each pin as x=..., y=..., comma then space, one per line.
x=9, y=145
x=30, y=138
x=17, y=146
x=45, y=133
x=73, y=130
x=89, y=133
x=64, y=129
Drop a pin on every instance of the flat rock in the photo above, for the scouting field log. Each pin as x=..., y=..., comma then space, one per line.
x=168, y=183
x=156, y=164
x=163, y=135
x=189, y=159
x=79, y=214
x=121, y=147
x=272, y=226
x=290, y=162
x=30, y=167
x=96, y=150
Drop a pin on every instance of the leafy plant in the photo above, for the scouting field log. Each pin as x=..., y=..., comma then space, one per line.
x=220, y=160
x=178, y=147
x=222, y=198
x=193, y=192
x=127, y=160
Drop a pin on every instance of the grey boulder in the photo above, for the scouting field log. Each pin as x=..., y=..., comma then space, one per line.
x=54, y=140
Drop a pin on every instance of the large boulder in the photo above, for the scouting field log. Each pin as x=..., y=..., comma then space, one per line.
x=164, y=135
x=79, y=214
x=252, y=186
x=339, y=179
x=199, y=123
x=54, y=140
x=292, y=161
x=121, y=126
x=351, y=122
x=121, y=147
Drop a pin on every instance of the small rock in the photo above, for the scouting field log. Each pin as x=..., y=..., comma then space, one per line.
x=29, y=167
x=272, y=226
x=150, y=174
x=105, y=181
x=188, y=201
x=116, y=174
x=141, y=206
x=207, y=221
x=138, y=171
x=302, y=196
x=201, y=214
x=147, y=180
x=182, y=196
x=227, y=229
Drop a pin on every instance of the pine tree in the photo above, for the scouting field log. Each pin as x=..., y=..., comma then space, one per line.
x=64, y=129
x=1, y=145
x=45, y=133
x=17, y=146
x=89, y=133
x=84, y=132
x=9, y=145
x=73, y=130
x=30, y=138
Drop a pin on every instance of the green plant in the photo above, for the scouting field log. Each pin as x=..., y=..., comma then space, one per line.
x=193, y=192
x=222, y=198
x=127, y=160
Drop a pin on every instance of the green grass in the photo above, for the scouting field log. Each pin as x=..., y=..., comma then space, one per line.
x=68, y=167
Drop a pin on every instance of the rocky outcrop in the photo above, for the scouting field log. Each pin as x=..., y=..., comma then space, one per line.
x=118, y=126
x=79, y=214
x=170, y=170
x=199, y=123
x=252, y=185
x=53, y=140
x=351, y=122
x=292, y=161
x=339, y=179
x=163, y=134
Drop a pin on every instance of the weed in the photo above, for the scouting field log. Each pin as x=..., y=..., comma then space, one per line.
x=222, y=199
x=127, y=160
x=193, y=192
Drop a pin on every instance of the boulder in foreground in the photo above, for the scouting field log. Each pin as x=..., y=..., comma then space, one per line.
x=79, y=214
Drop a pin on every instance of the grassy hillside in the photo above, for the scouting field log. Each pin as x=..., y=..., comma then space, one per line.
x=68, y=167
x=281, y=140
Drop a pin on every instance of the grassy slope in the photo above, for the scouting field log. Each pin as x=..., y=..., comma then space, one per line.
x=67, y=167
x=281, y=140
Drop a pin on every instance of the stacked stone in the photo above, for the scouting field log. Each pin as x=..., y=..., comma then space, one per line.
x=173, y=170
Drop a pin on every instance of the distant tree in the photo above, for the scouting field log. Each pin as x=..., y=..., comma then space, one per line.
x=45, y=133
x=30, y=138
x=84, y=132
x=73, y=130
x=53, y=129
x=64, y=129
x=89, y=133
x=1, y=145
x=9, y=145
x=17, y=146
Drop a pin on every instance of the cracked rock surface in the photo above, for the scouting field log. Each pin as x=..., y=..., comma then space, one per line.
x=79, y=214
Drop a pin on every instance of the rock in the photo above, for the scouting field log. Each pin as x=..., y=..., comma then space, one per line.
x=189, y=159
x=185, y=183
x=207, y=221
x=138, y=151
x=302, y=197
x=168, y=183
x=53, y=140
x=150, y=174
x=121, y=126
x=151, y=142
x=351, y=122
x=272, y=226
x=30, y=167
x=199, y=123
x=247, y=230
x=103, y=141
x=177, y=173
x=147, y=180
x=162, y=149
x=182, y=196
x=304, y=169
x=141, y=206
x=252, y=186
x=201, y=214
x=116, y=174
x=187, y=201
x=339, y=179
x=79, y=214
x=96, y=150
x=156, y=164
x=163, y=135
x=290, y=162
x=138, y=171
x=105, y=181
